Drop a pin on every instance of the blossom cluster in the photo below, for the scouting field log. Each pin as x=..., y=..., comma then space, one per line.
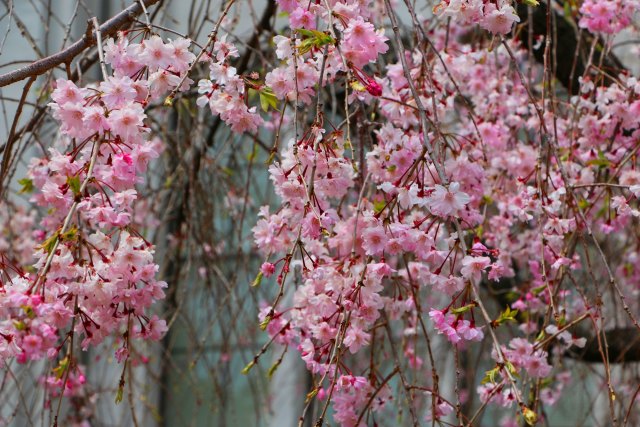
x=607, y=16
x=94, y=275
x=497, y=17
x=225, y=92
x=407, y=233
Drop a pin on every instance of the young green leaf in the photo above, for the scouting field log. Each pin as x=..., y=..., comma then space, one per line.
x=27, y=185
x=74, y=184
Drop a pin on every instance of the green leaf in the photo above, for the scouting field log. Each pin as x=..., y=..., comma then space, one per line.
x=50, y=243
x=28, y=310
x=506, y=315
x=69, y=234
x=313, y=39
x=265, y=322
x=27, y=185
x=257, y=280
x=379, y=206
x=562, y=321
x=357, y=86
x=512, y=369
x=463, y=309
x=546, y=382
x=530, y=417
x=312, y=394
x=539, y=289
x=272, y=156
x=253, y=154
x=62, y=367
x=628, y=268
x=19, y=325
x=490, y=376
x=601, y=161
x=119, y=393
x=268, y=99
x=487, y=200
x=74, y=184
x=247, y=368
x=583, y=204
x=272, y=370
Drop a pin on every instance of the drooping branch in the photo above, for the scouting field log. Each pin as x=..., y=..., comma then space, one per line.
x=109, y=28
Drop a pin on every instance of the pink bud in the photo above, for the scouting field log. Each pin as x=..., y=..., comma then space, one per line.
x=373, y=87
x=267, y=269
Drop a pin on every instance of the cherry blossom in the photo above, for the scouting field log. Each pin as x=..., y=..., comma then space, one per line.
x=447, y=201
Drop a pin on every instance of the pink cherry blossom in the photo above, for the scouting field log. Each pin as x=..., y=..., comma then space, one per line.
x=302, y=18
x=362, y=42
x=156, y=54
x=374, y=240
x=447, y=201
x=499, y=19
x=472, y=267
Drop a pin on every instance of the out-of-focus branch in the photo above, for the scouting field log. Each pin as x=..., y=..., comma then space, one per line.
x=109, y=28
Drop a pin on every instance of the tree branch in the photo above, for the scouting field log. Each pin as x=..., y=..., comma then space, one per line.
x=109, y=28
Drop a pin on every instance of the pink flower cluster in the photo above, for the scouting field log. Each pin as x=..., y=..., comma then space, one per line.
x=352, y=394
x=72, y=385
x=225, y=92
x=523, y=355
x=94, y=275
x=497, y=17
x=455, y=328
x=607, y=16
x=360, y=44
x=382, y=218
x=16, y=243
x=386, y=239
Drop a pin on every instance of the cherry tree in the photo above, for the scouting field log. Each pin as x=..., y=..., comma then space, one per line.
x=436, y=211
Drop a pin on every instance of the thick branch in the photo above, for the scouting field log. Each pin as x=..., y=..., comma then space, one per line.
x=108, y=29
